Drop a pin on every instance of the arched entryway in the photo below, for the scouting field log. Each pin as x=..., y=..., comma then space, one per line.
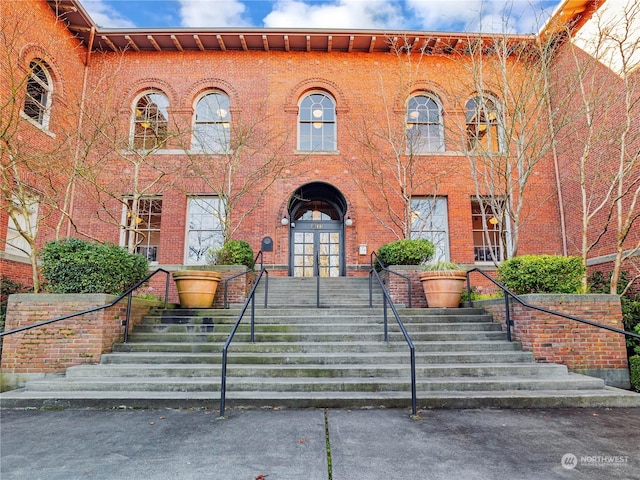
x=316, y=235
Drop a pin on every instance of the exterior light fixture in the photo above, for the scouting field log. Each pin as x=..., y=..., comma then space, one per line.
x=284, y=221
x=348, y=222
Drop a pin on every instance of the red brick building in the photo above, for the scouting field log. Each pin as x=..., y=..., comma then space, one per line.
x=316, y=146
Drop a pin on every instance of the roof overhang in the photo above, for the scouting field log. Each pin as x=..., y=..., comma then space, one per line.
x=260, y=39
x=570, y=15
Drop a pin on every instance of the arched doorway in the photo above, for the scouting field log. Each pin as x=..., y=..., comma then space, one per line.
x=316, y=234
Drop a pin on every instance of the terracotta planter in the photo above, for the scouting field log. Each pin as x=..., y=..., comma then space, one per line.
x=443, y=288
x=196, y=288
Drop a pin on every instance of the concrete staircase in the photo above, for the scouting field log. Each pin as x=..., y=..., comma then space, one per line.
x=305, y=356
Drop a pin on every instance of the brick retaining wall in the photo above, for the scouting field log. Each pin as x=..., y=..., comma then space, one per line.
x=52, y=348
x=582, y=348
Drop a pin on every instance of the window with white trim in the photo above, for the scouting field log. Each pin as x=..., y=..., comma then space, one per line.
x=425, y=131
x=205, y=228
x=25, y=213
x=211, y=127
x=483, y=127
x=490, y=233
x=37, y=101
x=429, y=220
x=317, y=123
x=142, y=227
x=150, y=121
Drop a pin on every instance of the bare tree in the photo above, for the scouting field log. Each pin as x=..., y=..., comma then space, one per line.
x=390, y=170
x=602, y=137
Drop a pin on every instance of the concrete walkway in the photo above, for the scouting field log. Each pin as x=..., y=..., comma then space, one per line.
x=315, y=444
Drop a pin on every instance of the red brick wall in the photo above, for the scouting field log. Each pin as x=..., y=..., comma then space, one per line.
x=582, y=348
x=52, y=348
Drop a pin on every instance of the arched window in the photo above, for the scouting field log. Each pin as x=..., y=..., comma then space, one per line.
x=37, y=101
x=317, y=123
x=425, y=131
x=483, y=134
x=150, y=121
x=211, y=123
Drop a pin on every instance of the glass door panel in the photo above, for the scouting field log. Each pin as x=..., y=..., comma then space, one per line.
x=316, y=245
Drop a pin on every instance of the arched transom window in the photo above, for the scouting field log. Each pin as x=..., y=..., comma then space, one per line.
x=212, y=123
x=151, y=120
x=317, y=123
x=425, y=132
x=37, y=101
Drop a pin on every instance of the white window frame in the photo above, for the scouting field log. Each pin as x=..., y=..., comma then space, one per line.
x=488, y=239
x=318, y=120
x=138, y=117
x=215, y=224
x=430, y=220
x=473, y=142
x=44, y=109
x=145, y=246
x=419, y=118
x=16, y=244
x=219, y=121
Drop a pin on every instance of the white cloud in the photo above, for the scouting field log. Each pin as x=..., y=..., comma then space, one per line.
x=510, y=16
x=337, y=14
x=106, y=16
x=213, y=13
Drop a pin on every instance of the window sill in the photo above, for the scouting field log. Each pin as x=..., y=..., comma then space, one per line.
x=39, y=126
x=167, y=151
x=317, y=152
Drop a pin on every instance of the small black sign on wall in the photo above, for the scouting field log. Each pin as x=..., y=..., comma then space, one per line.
x=267, y=244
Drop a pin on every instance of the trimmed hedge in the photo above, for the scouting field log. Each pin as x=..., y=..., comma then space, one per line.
x=77, y=266
x=542, y=274
x=634, y=366
x=406, y=252
x=234, y=252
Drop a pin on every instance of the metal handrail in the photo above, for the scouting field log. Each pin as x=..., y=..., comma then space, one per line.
x=251, y=298
x=412, y=349
x=509, y=294
x=383, y=267
x=128, y=293
x=226, y=280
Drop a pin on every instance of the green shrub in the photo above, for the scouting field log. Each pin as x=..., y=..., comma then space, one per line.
x=542, y=274
x=406, y=252
x=234, y=252
x=77, y=266
x=7, y=287
x=634, y=366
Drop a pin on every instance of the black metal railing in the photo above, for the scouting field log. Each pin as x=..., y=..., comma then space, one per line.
x=316, y=273
x=251, y=299
x=374, y=260
x=248, y=270
x=510, y=295
x=387, y=301
x=128, y=293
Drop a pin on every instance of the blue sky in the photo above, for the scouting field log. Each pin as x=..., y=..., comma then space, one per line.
x=521, y=16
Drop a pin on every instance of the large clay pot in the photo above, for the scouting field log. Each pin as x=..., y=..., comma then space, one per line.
x=443, y=288
x=196, y=288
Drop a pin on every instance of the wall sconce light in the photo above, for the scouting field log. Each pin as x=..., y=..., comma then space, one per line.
x=284, y=221
x=348, y=222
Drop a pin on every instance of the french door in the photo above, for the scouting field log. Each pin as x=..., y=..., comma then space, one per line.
x=317, y=249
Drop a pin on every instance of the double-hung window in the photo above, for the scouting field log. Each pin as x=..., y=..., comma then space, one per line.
x=205, y=228
x=425, y=131
x=150, y=121
x=483, y=126
x=429, y=220
x=490, y=231
x=212, y=124
x=142, y=226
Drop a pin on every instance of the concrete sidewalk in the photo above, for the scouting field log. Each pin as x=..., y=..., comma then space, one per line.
x=319, y=444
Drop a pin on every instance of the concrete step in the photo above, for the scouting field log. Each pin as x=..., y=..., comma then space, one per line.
x=294, y=385
x=322, y=347
x=553, y=398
